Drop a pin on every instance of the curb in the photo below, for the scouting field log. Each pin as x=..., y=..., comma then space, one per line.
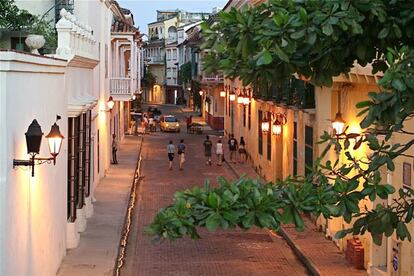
x=130, y=205
x=307, y=262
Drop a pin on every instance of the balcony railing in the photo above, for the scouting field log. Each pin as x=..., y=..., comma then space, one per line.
x=294, y=92
x=156, y=59
x=122, y=86
x=219, y=78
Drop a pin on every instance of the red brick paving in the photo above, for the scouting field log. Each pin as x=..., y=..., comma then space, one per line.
x=233, y=252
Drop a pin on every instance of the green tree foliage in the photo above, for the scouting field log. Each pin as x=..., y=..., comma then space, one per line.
x=11, y=17
x=149, y=80
x=185, y=72
x=317, y=39
x=15, y=19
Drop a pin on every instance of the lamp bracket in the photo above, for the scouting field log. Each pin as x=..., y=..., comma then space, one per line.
x=33, y=161
x=281, y=117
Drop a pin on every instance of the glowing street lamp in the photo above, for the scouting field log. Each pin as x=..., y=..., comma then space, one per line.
x=55, y=141
x=222, y=94
x=110, y=103
x=280, y=120
x=200, y=92
x=265, y=125
x=33, y=141
x=338, y=124
x=232, y=96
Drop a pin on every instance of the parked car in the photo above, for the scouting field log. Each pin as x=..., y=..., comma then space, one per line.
x=169, y=123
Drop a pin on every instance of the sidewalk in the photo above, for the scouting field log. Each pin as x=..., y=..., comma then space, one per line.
x=99, y=244
x=318, y=254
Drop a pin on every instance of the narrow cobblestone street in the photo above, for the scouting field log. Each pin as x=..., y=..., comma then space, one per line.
x=233, y=252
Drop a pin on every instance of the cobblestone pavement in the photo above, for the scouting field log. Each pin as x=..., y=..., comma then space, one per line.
x=233, y=252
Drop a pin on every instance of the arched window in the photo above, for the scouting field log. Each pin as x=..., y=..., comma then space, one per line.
x=172, y=33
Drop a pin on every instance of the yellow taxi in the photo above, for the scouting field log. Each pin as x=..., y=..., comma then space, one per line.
x=169, y=123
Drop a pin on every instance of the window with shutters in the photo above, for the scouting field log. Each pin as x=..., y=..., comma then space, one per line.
x=260, y=133
x=269, y=141
x=295, y=148
x=308, y=150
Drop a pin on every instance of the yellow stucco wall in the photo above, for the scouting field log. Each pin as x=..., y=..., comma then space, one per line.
x=281, y=163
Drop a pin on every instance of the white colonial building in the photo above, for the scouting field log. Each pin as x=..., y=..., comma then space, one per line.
x=97, y=57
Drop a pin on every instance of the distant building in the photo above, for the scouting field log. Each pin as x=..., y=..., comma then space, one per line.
x=162, y=58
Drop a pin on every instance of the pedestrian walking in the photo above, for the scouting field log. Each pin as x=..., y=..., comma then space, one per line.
x=170, y=152
x=242, y=150
x=181, y=153
x=114, y=149
x=188, y=122
x=232, y=147
x=207, y=150
x=219, y=152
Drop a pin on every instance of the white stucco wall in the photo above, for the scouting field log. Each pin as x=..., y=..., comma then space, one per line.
x=34, y=210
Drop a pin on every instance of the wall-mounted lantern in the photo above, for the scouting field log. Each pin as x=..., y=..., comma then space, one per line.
x=279, y=120
x=33, y=141
x=338, y=124
x=246, y=98
x=134, y=97
x=110, y=103
x=240, y=99
x=222, y=94
x=200, y=92
x=265, y=125
x=232, y=96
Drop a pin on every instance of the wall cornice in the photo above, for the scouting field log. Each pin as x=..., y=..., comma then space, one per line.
x=83, y=62
x=14, y=61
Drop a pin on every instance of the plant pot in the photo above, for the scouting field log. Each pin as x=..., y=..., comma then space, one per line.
x=35, y=42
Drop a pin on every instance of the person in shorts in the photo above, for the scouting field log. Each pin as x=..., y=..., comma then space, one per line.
x=181, y=151
x=232, y=148
x=171, y=151
x=242, y=150
x=207, y=150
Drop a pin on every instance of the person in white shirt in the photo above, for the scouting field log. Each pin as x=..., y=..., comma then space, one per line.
x=219, y=152
x=171, y=151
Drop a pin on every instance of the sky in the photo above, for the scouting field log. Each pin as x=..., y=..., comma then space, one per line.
x=145, y=10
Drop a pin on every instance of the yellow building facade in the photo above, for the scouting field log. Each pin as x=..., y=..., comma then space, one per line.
x=277, y=157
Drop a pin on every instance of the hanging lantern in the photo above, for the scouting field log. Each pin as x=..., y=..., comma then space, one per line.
x=246, y=100
x=200, y=92
x=232, y=96
x=222, y=94
x=338, y=124
x=277, y=128
x=55, y=141
x=110, y=103
x=240, y=99
x=265, y=125
x=280, y=120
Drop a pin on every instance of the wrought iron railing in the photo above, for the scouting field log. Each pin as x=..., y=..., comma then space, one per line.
x=294, y=92
x=219, y=78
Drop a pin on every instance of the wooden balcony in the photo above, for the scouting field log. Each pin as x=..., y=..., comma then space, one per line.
x=122, y=89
